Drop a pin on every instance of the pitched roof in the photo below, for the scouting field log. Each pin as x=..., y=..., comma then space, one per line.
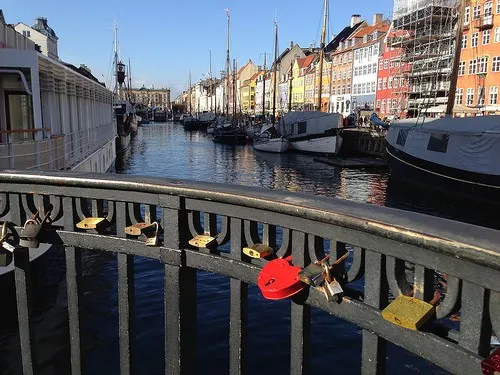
x=346, y=31
x=244, y=66
x=256, y=75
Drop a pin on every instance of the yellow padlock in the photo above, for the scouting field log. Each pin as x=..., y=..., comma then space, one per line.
x=140, y=228
x=258, y=251
x=96, y=223
x=202, y=240
x=408, y=312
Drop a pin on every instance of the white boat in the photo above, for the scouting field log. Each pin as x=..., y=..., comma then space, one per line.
x=314, y=132
x=458, y=155
x=268, y=140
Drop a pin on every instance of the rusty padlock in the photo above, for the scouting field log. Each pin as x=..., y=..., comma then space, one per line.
x=152, y=235
x=279, y=279
x=97, y=223
x=31, y=230
x=491, y=364
x=140, y=228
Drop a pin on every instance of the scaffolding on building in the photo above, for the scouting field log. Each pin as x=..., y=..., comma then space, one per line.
x=423, y=33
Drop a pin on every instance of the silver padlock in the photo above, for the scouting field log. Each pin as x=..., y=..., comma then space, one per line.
x=28, y=236
x=331, y=288
x=5, y=252
x=152, y=236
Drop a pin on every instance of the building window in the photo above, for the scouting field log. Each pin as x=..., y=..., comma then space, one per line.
x=395, y=82
x=486, y=37
x=373, y=86
x=381, y=62
x=470, y=97
x=384, y=83
x=378, y=105
x=493, y=94
x=391, y=64
x=461, y=68
x=363, y=88
x=394, y=104
x=369, y=69
x=495, y=67
x=482, y=65
x=438, y=142
x=459, y=96
x=348, y=89
x=27, y=33
x=472, y=66
x=475, y=37
x=476, y=13
x=389, y=83
x=364, y=70
x=497, y=34
x=382, y=108
x=488, y=9
x=374, y=67
x=350, y=56
x=464, y=41
x=498, y=7
x=380, y=84
x=386, y=63
x=335, y=61
x=349, y=73
x=343, y=90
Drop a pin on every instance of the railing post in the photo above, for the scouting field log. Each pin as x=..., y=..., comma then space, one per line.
x=25, y=309
x=179, y=294
x=74, y=284
x=376, y=290
x=239, y=305
x=300, y=314
x=126, y=297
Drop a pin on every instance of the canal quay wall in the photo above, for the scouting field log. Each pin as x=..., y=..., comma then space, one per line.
x=364, y=142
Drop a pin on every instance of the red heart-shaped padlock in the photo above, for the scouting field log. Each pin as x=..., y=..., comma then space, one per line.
x=491, y=365
x=279, y=279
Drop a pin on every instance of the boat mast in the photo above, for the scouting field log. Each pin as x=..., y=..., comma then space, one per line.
x=189, y=92
x=234, y=89
x=275, y=69
x=211, y=91
x=321, y=53
x=115, y=50
x=264, y=89
x=228, y=63
x=456, y=61
x=290, y=87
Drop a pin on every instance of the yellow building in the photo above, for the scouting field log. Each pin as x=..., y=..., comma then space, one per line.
x=310, y=84
x=300, y=67
x=325, y=89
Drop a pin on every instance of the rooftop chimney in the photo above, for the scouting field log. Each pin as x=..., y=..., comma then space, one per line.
x=291, y=44
x=355, y=19
x=377, y=17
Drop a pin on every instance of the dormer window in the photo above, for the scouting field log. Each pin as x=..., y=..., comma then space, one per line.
x=365, y=38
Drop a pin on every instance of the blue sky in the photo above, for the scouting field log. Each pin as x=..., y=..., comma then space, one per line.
x=166, y=39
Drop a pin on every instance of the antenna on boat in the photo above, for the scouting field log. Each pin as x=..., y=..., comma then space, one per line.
x=456, y=61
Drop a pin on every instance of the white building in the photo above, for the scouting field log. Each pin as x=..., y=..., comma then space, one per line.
x=365, y=65
x=42, y=35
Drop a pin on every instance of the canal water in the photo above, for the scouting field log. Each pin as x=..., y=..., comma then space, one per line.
x=166, y=150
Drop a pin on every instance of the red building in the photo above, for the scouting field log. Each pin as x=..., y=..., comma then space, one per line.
x=392, y=86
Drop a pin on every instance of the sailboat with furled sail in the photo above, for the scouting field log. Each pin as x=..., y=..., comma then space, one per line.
x=268, y=138
x=126, y=120
x=455, y=155
x=315, y=131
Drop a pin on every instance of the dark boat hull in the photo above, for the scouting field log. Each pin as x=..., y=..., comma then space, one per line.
x=230, y=139
x=191, y=125
x=429, y=175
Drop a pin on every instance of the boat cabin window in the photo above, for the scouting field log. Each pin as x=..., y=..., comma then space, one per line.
x=402, y=135
x=301, y=127
x=438, y=142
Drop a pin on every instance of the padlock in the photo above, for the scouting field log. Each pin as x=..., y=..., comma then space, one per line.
x=279, y=279
x=152, y=234
x=313, y=274
x=140, y=228
x=491, y=364
x=258, y=251
x=202, y=240
x=332, y=290
x=408, y=312
x=31, y=230
x=97, y=223
x=5, y=252
x=29, y=234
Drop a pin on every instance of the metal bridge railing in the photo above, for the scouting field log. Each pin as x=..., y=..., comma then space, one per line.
x=382, y=243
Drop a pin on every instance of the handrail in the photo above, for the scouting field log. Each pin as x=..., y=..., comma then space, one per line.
x=380, y=241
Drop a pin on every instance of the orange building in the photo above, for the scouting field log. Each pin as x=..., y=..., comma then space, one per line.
x=479, y=70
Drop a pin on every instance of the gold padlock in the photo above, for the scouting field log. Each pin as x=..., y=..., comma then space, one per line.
x=96, y=223
x=408, y=312
x=258, y=251
x=140, y=228
x=202, y=240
